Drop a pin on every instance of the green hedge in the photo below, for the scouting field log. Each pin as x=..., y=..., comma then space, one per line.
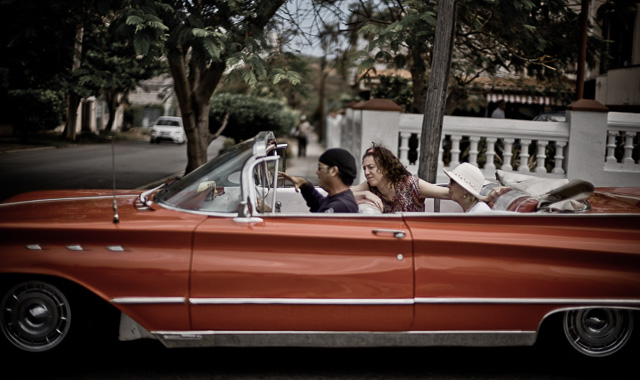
x=32, y=110
x=249, y=115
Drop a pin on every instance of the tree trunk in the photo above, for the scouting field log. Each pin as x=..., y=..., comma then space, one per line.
x=584, y=28
x=321, y=110
x=112, y=102
x=457, y=95
x=73, y=101
x=198, y=139
x=194, y=88
x=418, y=80
x=437, y=91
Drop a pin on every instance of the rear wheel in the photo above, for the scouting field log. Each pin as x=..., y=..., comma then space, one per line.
x=598, y=332
x=35, y=316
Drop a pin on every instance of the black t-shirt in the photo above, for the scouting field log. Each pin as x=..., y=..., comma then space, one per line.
x=341, y=202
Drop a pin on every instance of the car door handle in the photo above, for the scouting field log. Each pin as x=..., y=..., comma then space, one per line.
x=398, y=234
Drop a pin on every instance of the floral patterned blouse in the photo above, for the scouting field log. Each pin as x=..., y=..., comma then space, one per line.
x=407, y=196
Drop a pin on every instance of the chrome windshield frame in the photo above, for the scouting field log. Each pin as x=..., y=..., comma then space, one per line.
x=261, y=148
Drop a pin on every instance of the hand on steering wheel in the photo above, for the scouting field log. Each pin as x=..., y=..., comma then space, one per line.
x=297, y=181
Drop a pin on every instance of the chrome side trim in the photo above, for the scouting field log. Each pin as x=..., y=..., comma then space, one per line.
x=520, y=301
x=377, y=301
x=149, y=300
x=64, y=199
x=300, y=301
x=173, y=339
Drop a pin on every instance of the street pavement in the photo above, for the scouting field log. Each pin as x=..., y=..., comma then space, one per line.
x=305, y=166
x=139, y=165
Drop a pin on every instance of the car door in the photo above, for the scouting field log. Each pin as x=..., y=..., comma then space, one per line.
x=313, y=272
x=498, y=272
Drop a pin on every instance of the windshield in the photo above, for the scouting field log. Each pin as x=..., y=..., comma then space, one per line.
x=168, y=122
x=213, y=187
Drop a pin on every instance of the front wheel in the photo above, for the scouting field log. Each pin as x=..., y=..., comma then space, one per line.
x=35, y=316
x=598, y=332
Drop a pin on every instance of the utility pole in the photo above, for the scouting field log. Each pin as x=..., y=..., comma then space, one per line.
x=437, y=91
x=584, y=21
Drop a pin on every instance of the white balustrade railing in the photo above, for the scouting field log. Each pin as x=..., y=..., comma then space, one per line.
x=623, y=131
x=505, y=139
x=597, y=145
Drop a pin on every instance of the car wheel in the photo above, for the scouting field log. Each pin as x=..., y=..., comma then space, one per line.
x=598, y=332
x=35, y=316
x=152, y=141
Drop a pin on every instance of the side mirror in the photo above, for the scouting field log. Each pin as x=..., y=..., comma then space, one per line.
x=244, y=214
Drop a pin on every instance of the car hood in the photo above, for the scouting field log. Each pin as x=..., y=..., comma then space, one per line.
x=88, y=207
x=60, y=205
x=167, y=128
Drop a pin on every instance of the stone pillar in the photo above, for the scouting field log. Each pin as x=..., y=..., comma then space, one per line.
x=349, y=133
x=333, y=131
x=587, y=139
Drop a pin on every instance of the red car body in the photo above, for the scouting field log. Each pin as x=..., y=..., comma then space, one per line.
x=188, y=276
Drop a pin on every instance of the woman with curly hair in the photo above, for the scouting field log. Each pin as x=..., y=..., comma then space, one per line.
x=390, y=186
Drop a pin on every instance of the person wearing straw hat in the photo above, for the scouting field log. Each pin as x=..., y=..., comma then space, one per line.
x=464, y=187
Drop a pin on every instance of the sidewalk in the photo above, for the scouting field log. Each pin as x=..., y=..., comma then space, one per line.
x=305, y=166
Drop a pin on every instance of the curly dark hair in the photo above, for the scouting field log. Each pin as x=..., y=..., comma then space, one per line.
x=388, y=163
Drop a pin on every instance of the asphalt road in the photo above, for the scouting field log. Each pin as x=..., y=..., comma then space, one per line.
x=138, y=164
x=149, y=360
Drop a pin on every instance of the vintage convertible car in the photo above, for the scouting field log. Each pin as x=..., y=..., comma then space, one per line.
x=200, y=262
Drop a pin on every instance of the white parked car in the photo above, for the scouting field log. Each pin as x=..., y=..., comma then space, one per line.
x=168, y=128
x=551, y=116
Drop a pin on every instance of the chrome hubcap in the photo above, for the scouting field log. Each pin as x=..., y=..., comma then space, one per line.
x=598, y=332
x=35, y=316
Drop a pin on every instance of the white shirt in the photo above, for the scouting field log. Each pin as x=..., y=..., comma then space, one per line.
x=479, y=207
x=497, y=113
x=304, y=129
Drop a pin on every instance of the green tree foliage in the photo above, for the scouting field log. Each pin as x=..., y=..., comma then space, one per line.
x=401, y=35
x=397, y=89
x=202, y=39
x=68, y=46
x=33, y=110
x=536, y=37
x=616, y=20
x=296, y=93
x=111, y=67
x=249, y=115
x=36, y=40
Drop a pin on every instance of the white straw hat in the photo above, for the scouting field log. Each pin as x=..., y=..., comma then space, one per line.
x=469, y=177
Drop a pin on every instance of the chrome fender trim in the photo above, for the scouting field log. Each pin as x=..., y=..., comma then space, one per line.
x=613, y=302
x=178, y=339
x=301, y=301
x=131, y=330
x=148, y=300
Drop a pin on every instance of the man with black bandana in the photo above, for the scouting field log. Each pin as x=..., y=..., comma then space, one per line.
x=336, y=172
